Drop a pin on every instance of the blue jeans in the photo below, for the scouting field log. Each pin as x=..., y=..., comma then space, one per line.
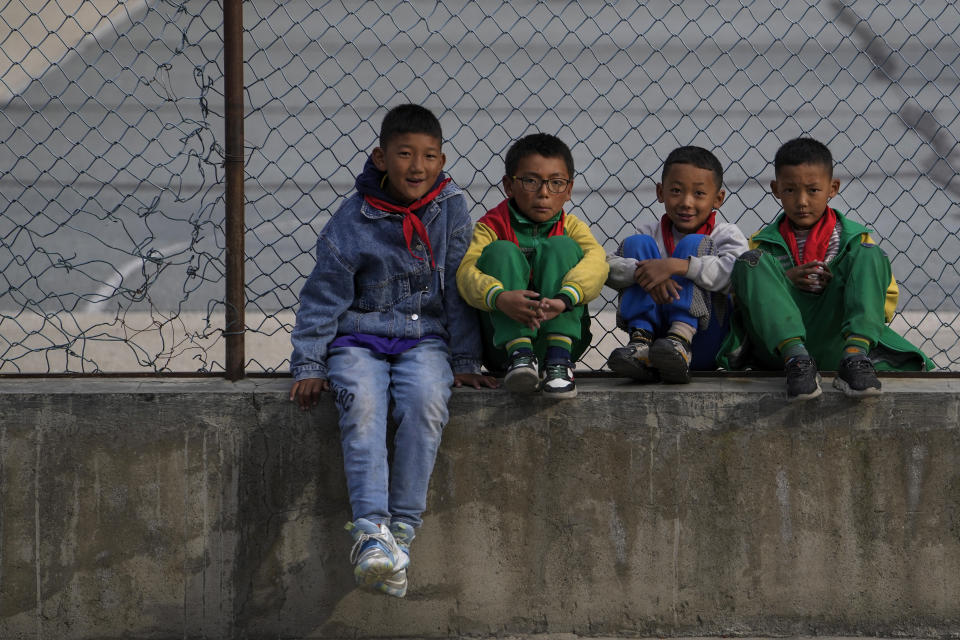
x=639, y=311
x=418, y=381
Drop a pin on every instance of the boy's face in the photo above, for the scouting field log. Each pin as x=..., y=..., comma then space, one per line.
x=689, y=194
x=412, y=162
x=542, y=204
x=804, y=190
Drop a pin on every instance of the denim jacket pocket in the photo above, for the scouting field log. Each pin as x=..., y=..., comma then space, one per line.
x=383, y=295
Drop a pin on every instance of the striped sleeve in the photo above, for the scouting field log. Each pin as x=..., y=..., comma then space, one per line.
x=584, y=282
x=477, y=288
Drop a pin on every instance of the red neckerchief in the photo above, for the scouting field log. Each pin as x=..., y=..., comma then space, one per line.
x=498, y=219
x=411, y=222
x=666, y=230
x=818, y=238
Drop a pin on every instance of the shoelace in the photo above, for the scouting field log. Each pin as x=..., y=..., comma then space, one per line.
x=680, y=340
x=364, y=537
x=523, y=361
x=859, y=363
x=801, y=365
x=402, y=538
x=558, y=370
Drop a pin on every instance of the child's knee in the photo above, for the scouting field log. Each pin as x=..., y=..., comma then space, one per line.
x=869, y=252
x=750, y=261
x=640, y=247
x=501, y=257
x=695, y=244
x=500, y=250
x=563, y=244
x=426, y=405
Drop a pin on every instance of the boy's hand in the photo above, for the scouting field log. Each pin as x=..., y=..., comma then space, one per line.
x=551, y=307
x=521, y=305
x=666, y=292
x=811, y=277
x=306, y=392
x=474, y=380
x=652, y=273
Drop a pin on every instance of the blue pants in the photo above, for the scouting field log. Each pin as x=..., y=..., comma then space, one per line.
x=418, y=381
x=695, y=307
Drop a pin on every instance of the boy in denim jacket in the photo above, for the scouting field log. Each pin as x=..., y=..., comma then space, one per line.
x=380, y=319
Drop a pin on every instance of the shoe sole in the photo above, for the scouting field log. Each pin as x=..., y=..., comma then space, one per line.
x=632, y=368
x=561, y=395
x=522, y=381
x=807, y=396
x=395, y=585
x=372, y=575
x=673, y=367
x=850, y=392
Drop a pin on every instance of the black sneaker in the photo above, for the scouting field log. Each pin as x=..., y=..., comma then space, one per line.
x=857, y=377
x=671, y=357
x=523, y=374
x=803, y=379
x=633, y=360
x=558, y=381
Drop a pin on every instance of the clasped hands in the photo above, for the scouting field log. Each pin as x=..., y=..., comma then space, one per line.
x=811, y=277
x=528, y=308
x=655, y=276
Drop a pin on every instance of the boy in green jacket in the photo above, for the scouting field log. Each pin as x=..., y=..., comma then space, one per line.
x=815, y=289
x=531, y=268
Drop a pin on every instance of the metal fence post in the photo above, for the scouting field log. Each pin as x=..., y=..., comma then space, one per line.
x=234, y=321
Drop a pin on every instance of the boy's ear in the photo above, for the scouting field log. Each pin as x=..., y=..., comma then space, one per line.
x=774, y=190
x=721, y=195
x=659, y=192
x=508, y=186
x=834, y=188
x=379, y=161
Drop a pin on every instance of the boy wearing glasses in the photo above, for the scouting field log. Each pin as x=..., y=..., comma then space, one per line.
x=533, y=268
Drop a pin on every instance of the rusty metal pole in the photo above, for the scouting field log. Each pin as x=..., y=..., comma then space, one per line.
x=234, y=320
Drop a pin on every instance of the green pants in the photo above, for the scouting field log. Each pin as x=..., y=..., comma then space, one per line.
x=770, y=309
x=542, y=272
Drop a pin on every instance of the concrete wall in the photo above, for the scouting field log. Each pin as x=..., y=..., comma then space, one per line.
x=199, y=508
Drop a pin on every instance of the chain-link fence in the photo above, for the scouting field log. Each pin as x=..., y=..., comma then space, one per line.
x=111, y=178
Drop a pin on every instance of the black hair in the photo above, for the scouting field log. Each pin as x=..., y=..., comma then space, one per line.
x=803, y=151
x=542, y=144
x=698, y=157
x=409, y=118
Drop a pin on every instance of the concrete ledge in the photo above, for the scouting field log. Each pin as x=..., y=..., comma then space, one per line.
x=156, y=508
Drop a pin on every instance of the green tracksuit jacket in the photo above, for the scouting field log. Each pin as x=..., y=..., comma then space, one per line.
x=860, y=298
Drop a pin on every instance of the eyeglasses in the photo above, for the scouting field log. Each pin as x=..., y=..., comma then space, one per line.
x=554, y=185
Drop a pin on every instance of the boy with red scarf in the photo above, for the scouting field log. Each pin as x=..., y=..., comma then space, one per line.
x=674, y=275
x=379, y=325
x=533, y=268
x=815, y=290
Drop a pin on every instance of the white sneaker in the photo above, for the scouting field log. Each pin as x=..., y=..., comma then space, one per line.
x=558, y=381
x=375, y=555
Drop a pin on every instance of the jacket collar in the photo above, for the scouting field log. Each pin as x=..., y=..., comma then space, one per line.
x=518, y=218
x=848, y=230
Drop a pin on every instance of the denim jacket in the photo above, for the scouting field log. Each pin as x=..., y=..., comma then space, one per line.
x=365, y=281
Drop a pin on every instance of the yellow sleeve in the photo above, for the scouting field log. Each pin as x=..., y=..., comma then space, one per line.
x=893, y=290
x=752, y=241
x=586, y=279
x=477, y=288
